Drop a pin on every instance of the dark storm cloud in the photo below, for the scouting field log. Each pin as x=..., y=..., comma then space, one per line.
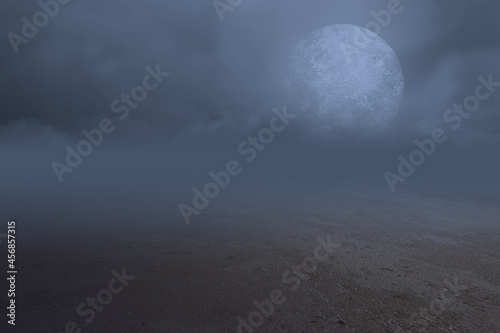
x=225, y=76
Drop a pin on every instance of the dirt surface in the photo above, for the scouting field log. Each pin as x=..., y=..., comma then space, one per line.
x=421, y=261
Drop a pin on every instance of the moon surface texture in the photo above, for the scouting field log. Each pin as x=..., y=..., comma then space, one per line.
x=347, y=78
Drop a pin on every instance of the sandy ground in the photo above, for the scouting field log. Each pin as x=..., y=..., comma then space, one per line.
x=422, y=261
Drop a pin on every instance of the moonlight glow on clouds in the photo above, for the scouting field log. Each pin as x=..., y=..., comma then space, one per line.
x=348, y=75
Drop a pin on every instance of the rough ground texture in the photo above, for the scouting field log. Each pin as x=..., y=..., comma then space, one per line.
x=422, y=261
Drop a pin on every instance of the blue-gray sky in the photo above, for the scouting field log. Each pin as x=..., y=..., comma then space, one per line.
x=225, y=77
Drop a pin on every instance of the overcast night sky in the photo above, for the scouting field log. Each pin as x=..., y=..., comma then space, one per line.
x=225, y=78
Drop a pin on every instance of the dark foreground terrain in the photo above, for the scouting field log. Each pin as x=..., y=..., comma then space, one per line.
x=413, y=262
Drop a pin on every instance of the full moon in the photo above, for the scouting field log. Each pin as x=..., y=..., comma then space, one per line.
x=347, y=78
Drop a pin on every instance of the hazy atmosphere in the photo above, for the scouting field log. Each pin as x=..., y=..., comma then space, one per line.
x=210, y=146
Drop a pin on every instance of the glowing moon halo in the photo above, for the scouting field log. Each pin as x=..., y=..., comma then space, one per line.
x=347, y=76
